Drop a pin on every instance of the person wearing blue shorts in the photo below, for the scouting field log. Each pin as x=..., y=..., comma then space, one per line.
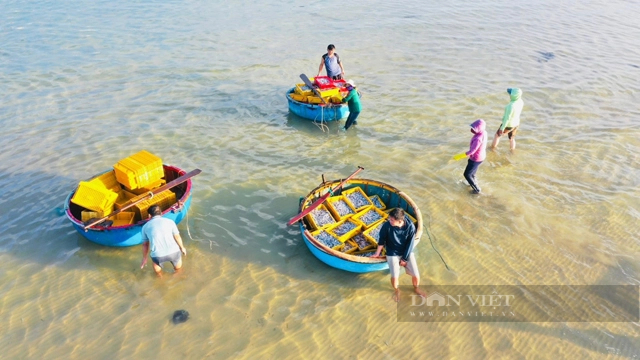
x=161, y=236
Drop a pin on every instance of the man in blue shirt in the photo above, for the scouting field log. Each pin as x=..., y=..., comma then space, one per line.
x=398, y=236
x=332, y=62
x=162, y=236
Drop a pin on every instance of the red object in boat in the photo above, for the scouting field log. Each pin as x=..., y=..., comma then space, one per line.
x=323, y=82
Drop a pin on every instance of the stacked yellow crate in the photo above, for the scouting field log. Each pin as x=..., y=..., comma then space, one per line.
x=139, y=170
x=164, y=199
x=95, y=198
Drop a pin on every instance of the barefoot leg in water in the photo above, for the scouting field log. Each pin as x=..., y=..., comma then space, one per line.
x=396, y=290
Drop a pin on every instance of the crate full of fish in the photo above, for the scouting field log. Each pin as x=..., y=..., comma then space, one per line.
x=349, y=247
x=373, y=233
x=363, y=242
x=377, y=202
x=357, y=198
x=345, y=229
x=368, y=253
x=327, y=239
x=320, y=218
x=339, y=207
x=370, y=216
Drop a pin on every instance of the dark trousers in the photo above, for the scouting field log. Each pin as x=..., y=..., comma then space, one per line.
x=470, y=174
x=352, y=117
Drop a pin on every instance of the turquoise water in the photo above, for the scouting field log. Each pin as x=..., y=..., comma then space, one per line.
x=202, y=86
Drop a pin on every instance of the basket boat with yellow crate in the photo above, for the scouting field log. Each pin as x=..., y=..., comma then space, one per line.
x=305, y=102
x=111, y=208
x=343, y=230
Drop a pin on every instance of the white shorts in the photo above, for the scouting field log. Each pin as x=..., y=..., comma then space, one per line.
x=410, y=269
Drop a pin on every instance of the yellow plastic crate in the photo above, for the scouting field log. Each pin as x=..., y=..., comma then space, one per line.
x=94, y=197
x=123, y=218
x=334, y=204
x=107, y=180
x=327, y=93
x=320, y=211
x=131, y=173
x=316, y=100
x=364, y=243
x=123, y=199
x=368, y=253
x=406, y=213
x=303, y=90
x=87, y=215
x=373, y=232
x=336, y=99
x=327, y=239
x=297, y=97
x=146, y=189
x=339, y=229
x=139, y=170
x=359, y=217
x=165, y=200
x=349, y=247
x=152, y=163
x=377, y=202
x=356, y=192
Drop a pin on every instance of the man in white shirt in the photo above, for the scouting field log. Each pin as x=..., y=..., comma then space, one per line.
x=162, y=237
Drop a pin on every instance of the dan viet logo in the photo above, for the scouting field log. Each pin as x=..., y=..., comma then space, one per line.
x=520, y=303
x=471, y=306
x=437, y=299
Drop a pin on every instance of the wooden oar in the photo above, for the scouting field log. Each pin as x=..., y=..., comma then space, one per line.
x=323, y=198
x=310, y=86
x=149, y=195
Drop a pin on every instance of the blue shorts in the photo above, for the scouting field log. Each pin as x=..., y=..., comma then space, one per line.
x=173, y=258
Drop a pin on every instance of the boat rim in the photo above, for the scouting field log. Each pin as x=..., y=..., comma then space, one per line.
x=313, y=105
x=348, y=257
x=177, y=205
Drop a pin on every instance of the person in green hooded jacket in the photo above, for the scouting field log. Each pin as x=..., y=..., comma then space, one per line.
x=510, y=119
x=354, y=105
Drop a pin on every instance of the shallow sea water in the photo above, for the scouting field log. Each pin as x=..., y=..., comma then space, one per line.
x=202, y=85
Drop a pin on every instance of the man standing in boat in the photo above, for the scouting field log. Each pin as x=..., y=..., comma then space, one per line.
x=397, y=235
x=332, y=62
x=161, y=235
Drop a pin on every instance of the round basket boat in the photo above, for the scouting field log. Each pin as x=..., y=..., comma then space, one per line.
x=318, y=113
x=129, y=235
x=390, y=196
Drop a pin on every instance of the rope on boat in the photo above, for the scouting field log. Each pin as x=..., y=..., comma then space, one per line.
x=322, y=124
x=434, y=248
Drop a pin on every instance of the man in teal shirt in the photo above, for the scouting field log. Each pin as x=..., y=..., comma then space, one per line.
x=510, y=119
x=162, y=237
x=354, y=105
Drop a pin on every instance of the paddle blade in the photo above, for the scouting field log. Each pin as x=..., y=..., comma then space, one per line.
x=459, y=156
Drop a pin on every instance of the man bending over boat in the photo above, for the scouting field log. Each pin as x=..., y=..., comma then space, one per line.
x=397, y=235
x=162, y=236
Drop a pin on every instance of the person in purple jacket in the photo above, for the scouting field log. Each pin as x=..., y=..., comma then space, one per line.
x=477, y=153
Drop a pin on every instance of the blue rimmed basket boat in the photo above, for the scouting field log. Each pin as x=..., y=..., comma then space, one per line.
x=391, y=196
x=129, y=235
x=317, y=113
